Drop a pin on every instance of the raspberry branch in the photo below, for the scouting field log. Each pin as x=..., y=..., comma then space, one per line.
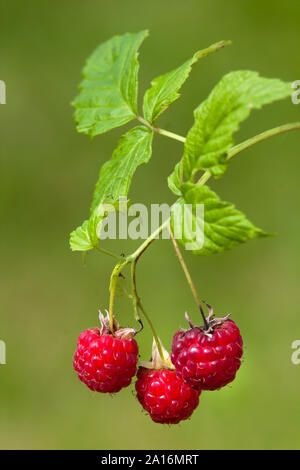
x=204, y=178
x=206, y=357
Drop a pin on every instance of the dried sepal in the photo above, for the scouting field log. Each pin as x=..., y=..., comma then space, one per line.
x=157, y=361
x=210, y=322
x=120, y=333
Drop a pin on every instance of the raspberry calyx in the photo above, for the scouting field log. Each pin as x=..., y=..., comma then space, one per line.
x=210, y=322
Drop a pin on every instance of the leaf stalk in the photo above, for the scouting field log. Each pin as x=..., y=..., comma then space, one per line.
x=160, y=131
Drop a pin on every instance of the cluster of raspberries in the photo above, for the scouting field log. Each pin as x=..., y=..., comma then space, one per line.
x=203, y=358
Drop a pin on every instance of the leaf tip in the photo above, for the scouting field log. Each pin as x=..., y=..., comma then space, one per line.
x=224, y=43
x=146, y=32
x=263, y=234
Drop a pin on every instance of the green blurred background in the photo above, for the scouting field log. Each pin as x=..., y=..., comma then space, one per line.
x=48, y=172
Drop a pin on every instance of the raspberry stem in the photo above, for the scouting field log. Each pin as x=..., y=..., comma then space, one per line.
x=188, y=277
x=112, y=287
x=147, y=242
x=137, y=304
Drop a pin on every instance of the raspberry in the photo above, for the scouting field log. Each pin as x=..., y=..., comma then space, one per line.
x=164, y=395
x=208, y=359
x=104, y=362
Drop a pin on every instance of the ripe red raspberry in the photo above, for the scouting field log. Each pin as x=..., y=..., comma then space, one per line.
x=104, y=362
x=164, y=395
x=208, y=359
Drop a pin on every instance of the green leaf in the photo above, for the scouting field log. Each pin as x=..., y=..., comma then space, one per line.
x=85, y=237
x=108, y=92
x=219, y=117
x=134, y=148
x=224, y=226
x=165, y=88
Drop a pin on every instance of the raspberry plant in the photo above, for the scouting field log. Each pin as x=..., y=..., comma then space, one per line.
x=205, y=357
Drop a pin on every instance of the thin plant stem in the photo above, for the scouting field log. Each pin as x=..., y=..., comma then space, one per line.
x=107, y=252
x=147, y=242
x=204, y=178
x=188, y=278
x=250, y=142
x=112, y=288
x=172, y=135
x=260, y=137
x=138, y=304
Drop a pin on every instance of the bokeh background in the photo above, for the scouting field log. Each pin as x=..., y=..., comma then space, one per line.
x=47, y=176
